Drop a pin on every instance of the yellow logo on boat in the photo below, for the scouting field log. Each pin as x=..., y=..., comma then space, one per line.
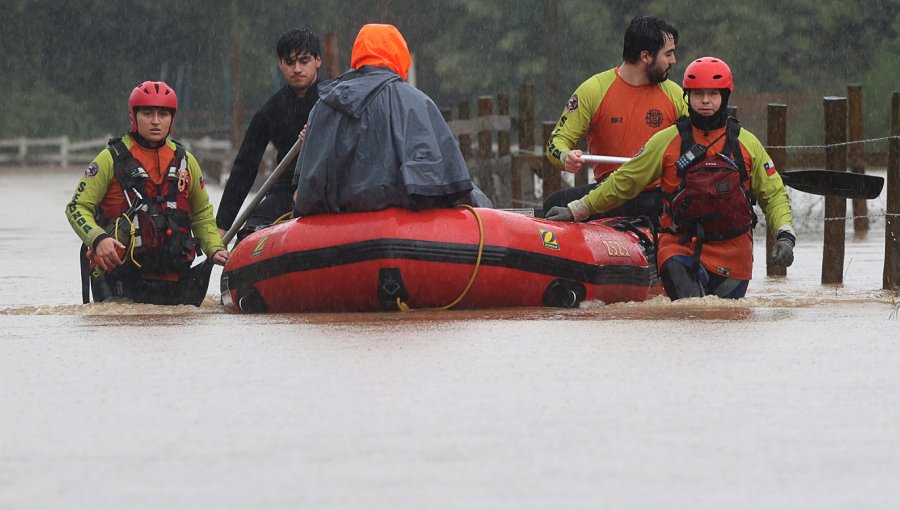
x=257, y=251
x=549, y=239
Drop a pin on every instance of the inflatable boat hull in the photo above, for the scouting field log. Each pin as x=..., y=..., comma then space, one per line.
x=470, y=258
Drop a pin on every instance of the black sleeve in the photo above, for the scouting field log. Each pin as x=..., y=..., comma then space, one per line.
x=244, y=170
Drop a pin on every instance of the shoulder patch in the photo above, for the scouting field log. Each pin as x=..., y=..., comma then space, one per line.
x=769, y=167
x=572, y=103
x=92, y=170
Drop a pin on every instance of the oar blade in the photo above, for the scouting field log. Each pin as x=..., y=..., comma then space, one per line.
x=835, y=184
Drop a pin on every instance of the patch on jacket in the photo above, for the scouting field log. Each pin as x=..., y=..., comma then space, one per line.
x=572, y=104
x=92, y=170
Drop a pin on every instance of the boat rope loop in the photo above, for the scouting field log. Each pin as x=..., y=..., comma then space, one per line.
x=403, y=307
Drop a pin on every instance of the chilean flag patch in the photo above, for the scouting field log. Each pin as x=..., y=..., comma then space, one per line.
x=769, y=167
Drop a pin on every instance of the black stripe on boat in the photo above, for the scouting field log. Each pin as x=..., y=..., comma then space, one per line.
x=450, y=253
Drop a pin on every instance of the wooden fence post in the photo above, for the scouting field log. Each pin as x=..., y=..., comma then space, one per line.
x=485, y=139
x=549, y=173
x=891, y=279
x=465, y=141
x=332, y=56
x=776, y=135
x=526, y=118
x=503, y=137
x=520, y=165
x=64, y=152
x=835, y=207
x=855, y=155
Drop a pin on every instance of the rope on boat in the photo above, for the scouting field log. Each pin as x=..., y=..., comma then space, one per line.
x=403, y=307
x=284, y=217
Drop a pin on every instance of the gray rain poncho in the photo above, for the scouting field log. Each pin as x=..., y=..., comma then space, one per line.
x=373, y=142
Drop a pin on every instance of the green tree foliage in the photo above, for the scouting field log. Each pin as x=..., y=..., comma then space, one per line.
x=68, y=67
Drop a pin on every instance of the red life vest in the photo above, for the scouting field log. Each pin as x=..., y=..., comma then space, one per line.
x=713, y=200
x=162, y=242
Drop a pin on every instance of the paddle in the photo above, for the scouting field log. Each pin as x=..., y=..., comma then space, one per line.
x=834, y=183
x=816, y=182
x=198, y=276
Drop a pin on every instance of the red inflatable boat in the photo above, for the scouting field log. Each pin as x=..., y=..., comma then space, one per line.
x=463, y=257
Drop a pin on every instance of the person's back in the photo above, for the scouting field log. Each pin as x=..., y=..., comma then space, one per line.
x=374, y=141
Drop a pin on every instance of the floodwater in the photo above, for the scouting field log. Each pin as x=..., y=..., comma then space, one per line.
x=787, y=399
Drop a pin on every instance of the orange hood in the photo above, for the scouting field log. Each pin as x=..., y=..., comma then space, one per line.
x=381, y=45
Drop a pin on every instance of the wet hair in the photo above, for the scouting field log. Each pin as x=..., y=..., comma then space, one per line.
x=298, y=40
x=646, y=33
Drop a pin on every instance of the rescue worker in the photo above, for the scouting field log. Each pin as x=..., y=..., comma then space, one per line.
x=374, y=141
x=279, y=121
x=618, y=110
x=137, y=204
x=711, y=169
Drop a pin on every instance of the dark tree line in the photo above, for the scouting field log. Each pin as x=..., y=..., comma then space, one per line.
x=68, y=67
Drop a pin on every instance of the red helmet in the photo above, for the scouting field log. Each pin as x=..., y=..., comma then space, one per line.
x=152, y=93
x=708, y=73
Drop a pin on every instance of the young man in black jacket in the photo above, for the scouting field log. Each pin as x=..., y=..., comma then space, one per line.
x=279, y=121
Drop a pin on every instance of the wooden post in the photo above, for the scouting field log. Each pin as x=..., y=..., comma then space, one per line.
x=835, y=207
x=485, y=139
x=526, y=118
x=22, y=153
x=503, y=137
x=549, y=173
x=237, y=107
x=855, y=155
x=551, y=48
x=503, y=151
x=776, y=135
x=519, y=165
x=465, y=141
x=64, y=151
x=892, y=209
x=332, y=56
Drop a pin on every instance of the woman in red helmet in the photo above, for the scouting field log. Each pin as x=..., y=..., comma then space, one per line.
x=137, y=205
x=711, y=171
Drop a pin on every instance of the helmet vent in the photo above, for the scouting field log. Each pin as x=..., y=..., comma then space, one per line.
x=717, y=76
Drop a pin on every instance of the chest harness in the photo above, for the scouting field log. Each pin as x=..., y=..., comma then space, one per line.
x=712, y=202
x=156, y=226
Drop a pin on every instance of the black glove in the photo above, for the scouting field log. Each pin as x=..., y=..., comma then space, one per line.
x=560, y=213
x=783, y=251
